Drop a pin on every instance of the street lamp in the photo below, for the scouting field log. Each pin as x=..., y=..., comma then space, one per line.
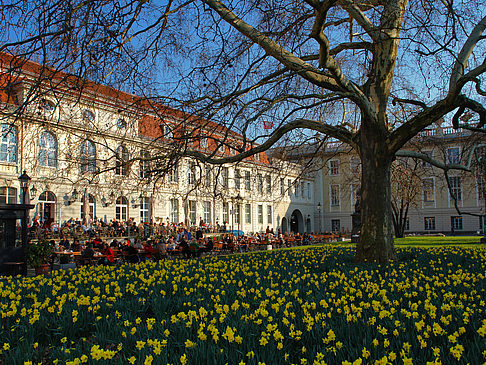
x=238, y=200
x=319, y=207
x=33, y=192
x=24, y=185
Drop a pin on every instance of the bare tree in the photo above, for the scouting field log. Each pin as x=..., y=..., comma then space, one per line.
x=237, y=64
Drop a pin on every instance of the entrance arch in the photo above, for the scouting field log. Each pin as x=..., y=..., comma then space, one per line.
x=284, y=225
x=297, y=222
x=46, y=208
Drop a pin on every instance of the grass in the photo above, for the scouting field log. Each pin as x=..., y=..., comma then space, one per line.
x=437, y=241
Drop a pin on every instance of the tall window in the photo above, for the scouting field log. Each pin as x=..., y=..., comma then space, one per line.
x=260, y=183
x=456, y=223
x=428, y=186
x=309, y=196
x=8, y=143
x=481, y=187
x=174, y=210
x=334, y=167
x=192, y=173
x=354, y=165
x=289, y=187
x=335, y=225
x=260, y=214
x=225, y=212
x=91, y=207
x=88, y=156
x=456, y=188
x=454, y=155
x=8, y=195
x=207, y=211
x=269, y=214
x=225, y=177
x=282, y=186
x=237, y=213
x=430, y=155
x=354, y=194
x=429, y=223
x=247, y=213
x=268, y=179
x=145, y=209
x=174, y=174
x=192, y=212
x=335, y=199
x=47, y=150
x=302, y=194
x=144, y=164
x=247, y=181
x=237, y=179
x=296, y=188
x=208, y=175
x=121, y=163
x=121, y=209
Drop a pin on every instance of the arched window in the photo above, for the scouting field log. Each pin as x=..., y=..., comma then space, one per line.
x=122, y=158
x=46, y=207
x=121, y=209
x=8, y=143
x=91, y=207
x=47, y=150
x=8, y=195
x=88, y=156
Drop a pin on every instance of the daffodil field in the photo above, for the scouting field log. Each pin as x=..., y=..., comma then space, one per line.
x=308, y=306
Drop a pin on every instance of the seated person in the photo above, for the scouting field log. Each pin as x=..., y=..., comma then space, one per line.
x=131, y=253
x=88, y=253
x=171, y=245
x=184, y=247
x=109, y=258
x=149, y=250
x=64, y=242
x=160, y=249
x=76, y=246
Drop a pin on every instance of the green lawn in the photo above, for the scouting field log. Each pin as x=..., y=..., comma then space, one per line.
x=437, y=241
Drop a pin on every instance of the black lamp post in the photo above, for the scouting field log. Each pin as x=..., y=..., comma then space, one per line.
x=24, y=186
x=238, y=200
x=319, y=207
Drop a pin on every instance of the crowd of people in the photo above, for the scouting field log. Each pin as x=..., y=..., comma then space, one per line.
x=141, y=242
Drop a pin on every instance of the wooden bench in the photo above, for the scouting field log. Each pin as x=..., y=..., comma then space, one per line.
x=13, y=267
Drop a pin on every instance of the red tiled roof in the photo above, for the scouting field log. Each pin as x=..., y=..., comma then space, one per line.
x=152, y=113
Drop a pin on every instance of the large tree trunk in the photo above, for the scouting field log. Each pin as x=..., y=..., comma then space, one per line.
x=376, y=238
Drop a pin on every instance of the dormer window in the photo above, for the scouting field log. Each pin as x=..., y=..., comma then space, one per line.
x=203, y=143
x=88, y=116
x=168, y=132
x=47, y=105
